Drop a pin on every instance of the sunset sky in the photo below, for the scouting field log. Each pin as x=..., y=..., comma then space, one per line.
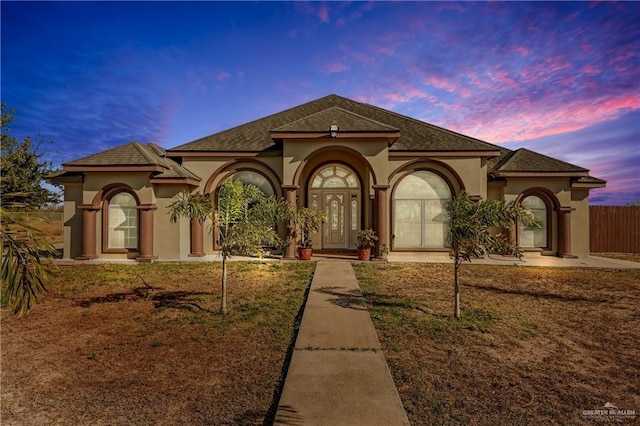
x=559, y=78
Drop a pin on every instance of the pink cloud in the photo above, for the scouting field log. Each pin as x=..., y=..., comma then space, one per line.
x=522, y=120
x=590, y=69
x=385, y=51
x=222, y=75
x=323, y=14
x=336, y=67
x=441, y=83
x=522, y=50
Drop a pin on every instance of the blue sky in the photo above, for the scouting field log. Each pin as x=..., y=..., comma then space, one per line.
x=559, y=78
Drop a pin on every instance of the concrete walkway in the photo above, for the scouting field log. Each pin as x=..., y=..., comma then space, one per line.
x=338, y=374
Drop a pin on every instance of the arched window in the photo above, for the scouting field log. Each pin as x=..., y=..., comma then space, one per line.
x=335, y=176
x=535, y=237
x=122, y=222
x=254, y=178
x=420, y=218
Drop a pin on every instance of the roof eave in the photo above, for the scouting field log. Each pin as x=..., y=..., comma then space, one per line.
x=468, y=153
x=114, y=168
x=205, y=153
x=339, y=135
x=175, y=181
x=536, y=174
x=63, y=178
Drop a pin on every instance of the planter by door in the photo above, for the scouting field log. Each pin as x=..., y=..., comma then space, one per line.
x=304, y=253
x=364, y=254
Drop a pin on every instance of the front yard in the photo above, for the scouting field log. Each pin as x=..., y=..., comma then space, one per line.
x=105, y=348
x=144, y=344
x=535, y=345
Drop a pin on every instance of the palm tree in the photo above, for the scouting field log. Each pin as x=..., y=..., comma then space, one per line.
x=27, y=254
x=471, y=234
x=244, y=218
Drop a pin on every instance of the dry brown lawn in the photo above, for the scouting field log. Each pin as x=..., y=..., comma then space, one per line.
x=535, y=345
x=105, y=349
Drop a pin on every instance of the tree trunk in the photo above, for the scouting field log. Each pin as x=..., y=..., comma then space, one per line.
x=456, y=288
x=223, y=295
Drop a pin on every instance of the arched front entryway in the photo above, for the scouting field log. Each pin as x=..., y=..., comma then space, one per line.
x=336, y=189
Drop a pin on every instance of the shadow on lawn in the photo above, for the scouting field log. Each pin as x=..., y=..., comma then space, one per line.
x=538, y=294
x=173, y=299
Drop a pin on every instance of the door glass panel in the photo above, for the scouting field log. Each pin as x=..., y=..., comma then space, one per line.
x=334, y=215
x=354, y=214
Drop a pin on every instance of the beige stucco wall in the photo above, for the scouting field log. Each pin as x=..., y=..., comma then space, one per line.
x=72, y=230
x=374, y=151
x=172, y=241
x=577, y=199
x=299, y=160
x=580, y=222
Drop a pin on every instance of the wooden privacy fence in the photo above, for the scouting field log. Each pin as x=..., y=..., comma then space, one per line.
x=614, y=229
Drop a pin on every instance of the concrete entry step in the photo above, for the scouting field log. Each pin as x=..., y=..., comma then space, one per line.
x=338, y=374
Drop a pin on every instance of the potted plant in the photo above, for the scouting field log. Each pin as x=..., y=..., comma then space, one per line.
x=307, y=221
x=366, y=241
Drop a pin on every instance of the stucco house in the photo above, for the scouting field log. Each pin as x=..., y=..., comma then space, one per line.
x=365, y=166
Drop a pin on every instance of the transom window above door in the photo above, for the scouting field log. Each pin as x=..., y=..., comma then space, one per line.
x=335, y=176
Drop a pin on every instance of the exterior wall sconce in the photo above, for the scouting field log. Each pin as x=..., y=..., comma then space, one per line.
x=334, y=130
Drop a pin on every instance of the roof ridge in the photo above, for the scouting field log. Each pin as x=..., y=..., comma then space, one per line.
x=342, y=110
x=366, y=118
x=143, y=151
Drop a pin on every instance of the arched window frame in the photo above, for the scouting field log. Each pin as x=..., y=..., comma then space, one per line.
x=106, y=236
x=549, y=205
x=394, y=211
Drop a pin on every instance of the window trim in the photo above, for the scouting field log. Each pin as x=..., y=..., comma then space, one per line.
x=105, y=220
x=550, y=205
x=393, y=210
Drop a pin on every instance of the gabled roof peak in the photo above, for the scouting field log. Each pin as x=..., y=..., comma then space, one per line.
x=346, y=120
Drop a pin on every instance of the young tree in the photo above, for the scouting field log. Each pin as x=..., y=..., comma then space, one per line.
x=23, y=169
x=26, y=259
x=471, y=234
x=244, y=218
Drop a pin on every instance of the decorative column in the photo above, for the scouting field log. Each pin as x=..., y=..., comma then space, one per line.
x=146, y=233
x=382, y=216
x=197, y=246
x=564, y=234
x=88, y=231
x=291, y=194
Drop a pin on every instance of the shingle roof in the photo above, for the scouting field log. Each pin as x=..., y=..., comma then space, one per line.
x=135, y=154
x=131, y=154
x=524, y=160
x=415, y=135
x=346, y=121
x=317, y=116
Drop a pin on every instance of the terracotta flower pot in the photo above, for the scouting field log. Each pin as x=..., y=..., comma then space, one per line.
x=364, y=254
x=304, y=253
